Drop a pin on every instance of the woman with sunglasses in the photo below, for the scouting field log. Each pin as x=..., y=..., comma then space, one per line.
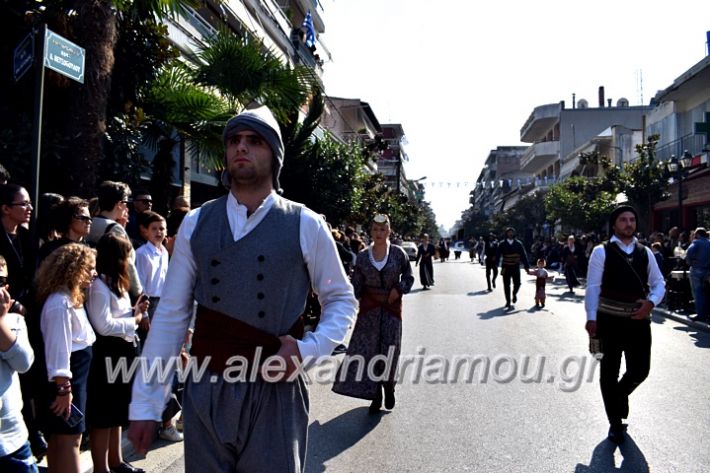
x=381, y=276
x=115, y=321
x=61, y=282
x=73, y=223
x=15, y=245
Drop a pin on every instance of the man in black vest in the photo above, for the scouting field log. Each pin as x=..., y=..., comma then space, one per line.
x=624, y=283
x=511, y=254
x=491, y=252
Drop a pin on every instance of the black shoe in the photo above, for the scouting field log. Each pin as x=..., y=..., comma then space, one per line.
x=389, y=398
x=377, y=402
x=38, y=444
x=508, y=306
x=126, y=467
x=542, y=306
x=515, y=298
x=699, y=318
x=616, y=433
x=490, y=290
x=340, y=349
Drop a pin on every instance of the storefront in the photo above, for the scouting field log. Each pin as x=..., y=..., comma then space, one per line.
x=696, y=203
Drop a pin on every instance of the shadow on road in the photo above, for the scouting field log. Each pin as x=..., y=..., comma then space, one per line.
x=500, y=312
x=479, y=293
x=328, y=440
x=700, y=338
x=603, y=459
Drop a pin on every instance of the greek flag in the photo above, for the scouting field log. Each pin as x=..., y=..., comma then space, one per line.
x=310, y=30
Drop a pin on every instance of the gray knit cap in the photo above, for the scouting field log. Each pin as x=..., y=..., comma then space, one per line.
x=261, y=121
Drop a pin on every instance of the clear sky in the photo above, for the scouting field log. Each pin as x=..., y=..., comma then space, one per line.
x=462, y=76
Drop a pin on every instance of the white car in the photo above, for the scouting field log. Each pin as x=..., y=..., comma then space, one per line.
x=411, y=249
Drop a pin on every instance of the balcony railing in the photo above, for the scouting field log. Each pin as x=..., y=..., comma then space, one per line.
x=540, y=155
x=693, y=143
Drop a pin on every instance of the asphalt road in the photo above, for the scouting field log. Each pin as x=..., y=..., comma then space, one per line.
x=510, y=420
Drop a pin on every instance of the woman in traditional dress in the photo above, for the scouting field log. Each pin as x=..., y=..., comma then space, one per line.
x=425, y=254
x=381, y=276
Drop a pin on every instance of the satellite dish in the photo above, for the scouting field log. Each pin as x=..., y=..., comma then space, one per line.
x=582, y=103
x=622, y=103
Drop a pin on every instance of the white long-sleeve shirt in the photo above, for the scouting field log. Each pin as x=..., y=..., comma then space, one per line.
x=65, y=329
x=110, y=315
x=152, y=267
x=656, y=283
x=170, y=323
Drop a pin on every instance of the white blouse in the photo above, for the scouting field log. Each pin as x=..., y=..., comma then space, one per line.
x=65, y=329
x=111, y=316
x=378, y=264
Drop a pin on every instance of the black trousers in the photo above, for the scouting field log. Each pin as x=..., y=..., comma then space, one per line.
x=510, y=274
x=491, y=267
x=632, y=338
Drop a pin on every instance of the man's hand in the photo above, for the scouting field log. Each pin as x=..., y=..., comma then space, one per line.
x=141, y=433
x=288, y=356
x=591, y=327
x=643, y=312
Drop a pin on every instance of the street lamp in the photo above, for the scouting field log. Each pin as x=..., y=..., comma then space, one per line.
x=677, y=166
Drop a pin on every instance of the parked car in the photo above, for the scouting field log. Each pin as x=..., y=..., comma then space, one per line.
x=411, y=249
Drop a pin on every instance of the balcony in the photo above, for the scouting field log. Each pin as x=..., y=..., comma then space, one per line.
x=540, y=121
x=540, y=155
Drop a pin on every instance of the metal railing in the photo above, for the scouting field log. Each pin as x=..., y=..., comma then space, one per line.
x=693, y=143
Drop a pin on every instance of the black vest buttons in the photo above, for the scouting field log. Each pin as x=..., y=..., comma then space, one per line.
x=260, y=258
x=259, y=277
x=214, y=281
x=215, y=262
x=260, y=295
x=262, y=314
x=215, y=299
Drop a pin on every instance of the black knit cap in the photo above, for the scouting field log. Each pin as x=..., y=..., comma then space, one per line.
x=618, y=211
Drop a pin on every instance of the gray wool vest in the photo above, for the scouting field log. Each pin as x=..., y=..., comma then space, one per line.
x=262, y=278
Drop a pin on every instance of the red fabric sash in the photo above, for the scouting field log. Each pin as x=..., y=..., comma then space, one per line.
x=220, y=337
x=373, y=298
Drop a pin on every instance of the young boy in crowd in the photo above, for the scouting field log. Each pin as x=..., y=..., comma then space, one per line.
x=541, y=278
x=16, y=356
x=152, y=257
x=152, y=265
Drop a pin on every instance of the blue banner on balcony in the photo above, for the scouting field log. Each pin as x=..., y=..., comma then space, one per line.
x=310, y=30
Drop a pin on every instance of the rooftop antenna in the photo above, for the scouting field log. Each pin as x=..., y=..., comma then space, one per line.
x=639, y=85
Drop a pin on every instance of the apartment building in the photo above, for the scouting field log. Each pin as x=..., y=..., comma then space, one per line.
x=682, y=119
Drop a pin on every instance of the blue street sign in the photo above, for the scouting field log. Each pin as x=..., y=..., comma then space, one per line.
x=63, y=56
x=23, y=56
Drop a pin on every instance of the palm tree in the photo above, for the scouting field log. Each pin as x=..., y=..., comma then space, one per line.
x=94, y=26
x=190, y=104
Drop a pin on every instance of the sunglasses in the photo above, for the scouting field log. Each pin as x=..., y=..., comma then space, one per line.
x=83, y=218
x=21, y=204
x=381, y=218
x=145, y=201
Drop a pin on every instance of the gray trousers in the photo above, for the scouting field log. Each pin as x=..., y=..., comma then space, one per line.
x=245, y=427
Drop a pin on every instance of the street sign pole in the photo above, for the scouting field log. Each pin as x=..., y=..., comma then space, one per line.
x=37, y=132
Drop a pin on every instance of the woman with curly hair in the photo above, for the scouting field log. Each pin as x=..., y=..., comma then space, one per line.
x=115, y=321
x=68, y=337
